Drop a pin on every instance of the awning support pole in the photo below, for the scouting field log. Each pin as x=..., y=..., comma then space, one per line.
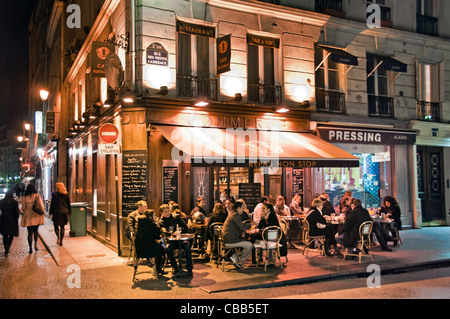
x=322, y=61
x=374, y=69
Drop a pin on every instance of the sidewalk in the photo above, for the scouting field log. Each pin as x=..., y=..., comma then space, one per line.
x=426, y=247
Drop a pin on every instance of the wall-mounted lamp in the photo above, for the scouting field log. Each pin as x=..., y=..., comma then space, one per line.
x=304, y=105
x=128, y=98
x=237, y=97
x=280, y=109
x=201, y=102
x=163, y=90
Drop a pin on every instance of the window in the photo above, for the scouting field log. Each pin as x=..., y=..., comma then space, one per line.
x=328, y=82
x=195, y=71
x=380, y=104
x=262, y=74
x=429, y=90
x=426, y=23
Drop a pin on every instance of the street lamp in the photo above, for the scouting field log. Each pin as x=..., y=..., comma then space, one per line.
x=44, y=94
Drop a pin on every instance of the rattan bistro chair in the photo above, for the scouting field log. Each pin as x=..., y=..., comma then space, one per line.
x=365, y=230
x=271, y=243
x=214, y=231
x=319, y=241
x=224, y=251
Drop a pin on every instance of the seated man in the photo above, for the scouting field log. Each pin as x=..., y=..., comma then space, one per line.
x=349, y=234
x=167, y=221
x=130, y=231
x=232, y=231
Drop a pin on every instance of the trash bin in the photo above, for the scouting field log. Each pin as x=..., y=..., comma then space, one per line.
x=78, y=219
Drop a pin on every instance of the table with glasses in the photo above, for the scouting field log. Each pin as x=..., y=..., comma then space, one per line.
x=179, y=238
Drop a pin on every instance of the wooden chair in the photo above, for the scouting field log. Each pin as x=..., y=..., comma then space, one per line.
x=365, y=230
x=271, y=243
x=308, y=240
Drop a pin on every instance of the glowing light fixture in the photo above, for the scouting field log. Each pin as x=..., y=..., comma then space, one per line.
x=201, y=103
x=281, y=109
x=44, y=94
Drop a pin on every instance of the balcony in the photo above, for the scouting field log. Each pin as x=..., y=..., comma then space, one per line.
x=330, y=101
x=427, y=25
x=194, y=86
x=264, y=94
x=428, y=111
x=330, y=7
x=381, y=106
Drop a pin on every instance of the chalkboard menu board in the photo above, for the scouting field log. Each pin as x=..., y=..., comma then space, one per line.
x=170, y=184
x=251, y=194
x=134, y=179
x=297, y=183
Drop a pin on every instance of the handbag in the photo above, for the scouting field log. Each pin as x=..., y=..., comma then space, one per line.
x=37, y=207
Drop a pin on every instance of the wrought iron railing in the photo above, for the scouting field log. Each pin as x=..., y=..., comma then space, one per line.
x=428, y=111
x=323, y=5
x=330, y=101
x=427, y=25
x=264, y=94
x=194, y=86
x=381, y=106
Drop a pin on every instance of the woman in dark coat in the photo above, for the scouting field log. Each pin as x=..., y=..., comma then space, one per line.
x=9, y=220
x=391, y=209
x=269, y=218
x=60, y=211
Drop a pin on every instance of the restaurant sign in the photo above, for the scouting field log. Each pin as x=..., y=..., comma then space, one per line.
x=223, y=54
x=99, y=52
x=366, y=136
x=263, y=41
x=196, y=29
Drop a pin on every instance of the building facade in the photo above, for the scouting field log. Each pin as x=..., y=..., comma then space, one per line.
x=365, y=108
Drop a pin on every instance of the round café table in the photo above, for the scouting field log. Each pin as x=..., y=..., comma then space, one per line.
x=180, y=239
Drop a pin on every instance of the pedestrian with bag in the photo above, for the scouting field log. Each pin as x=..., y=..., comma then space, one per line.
x=33, y=214
x=9, y=220
x=60, y=211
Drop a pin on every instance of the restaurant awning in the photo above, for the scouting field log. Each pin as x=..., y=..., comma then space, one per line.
x=340, y=56
x=388, y=63
x=254, y=148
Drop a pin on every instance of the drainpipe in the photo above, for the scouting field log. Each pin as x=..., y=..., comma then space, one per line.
x=133, y=44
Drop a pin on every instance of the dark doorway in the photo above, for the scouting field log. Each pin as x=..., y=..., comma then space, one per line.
x=431, y=184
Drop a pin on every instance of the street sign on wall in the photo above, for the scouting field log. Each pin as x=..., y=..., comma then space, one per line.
x=108, y=135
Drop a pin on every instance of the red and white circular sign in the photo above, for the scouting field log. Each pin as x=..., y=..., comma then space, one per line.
x=108, y=133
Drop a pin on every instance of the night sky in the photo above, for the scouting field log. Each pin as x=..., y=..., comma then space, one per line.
x=14, y=20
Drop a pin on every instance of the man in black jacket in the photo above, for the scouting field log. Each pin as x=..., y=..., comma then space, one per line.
x=167, y=221
x=349, y=234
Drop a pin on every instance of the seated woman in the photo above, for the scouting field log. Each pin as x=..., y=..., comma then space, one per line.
x=148, y=239
x=391, y=210
x=318, y=225
x=269, y=218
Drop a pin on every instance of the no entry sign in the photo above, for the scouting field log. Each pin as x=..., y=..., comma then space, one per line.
x=108, y=133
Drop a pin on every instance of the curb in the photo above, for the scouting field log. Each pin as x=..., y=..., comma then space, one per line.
x=354, y=273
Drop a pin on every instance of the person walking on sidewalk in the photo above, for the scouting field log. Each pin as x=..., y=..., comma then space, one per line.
x=30, y=219
x=60, y=211
x=9, y=220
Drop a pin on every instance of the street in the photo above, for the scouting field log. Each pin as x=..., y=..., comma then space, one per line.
x=36, y=275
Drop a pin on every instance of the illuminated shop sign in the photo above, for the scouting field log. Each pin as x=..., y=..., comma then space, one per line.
x=350, y=135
